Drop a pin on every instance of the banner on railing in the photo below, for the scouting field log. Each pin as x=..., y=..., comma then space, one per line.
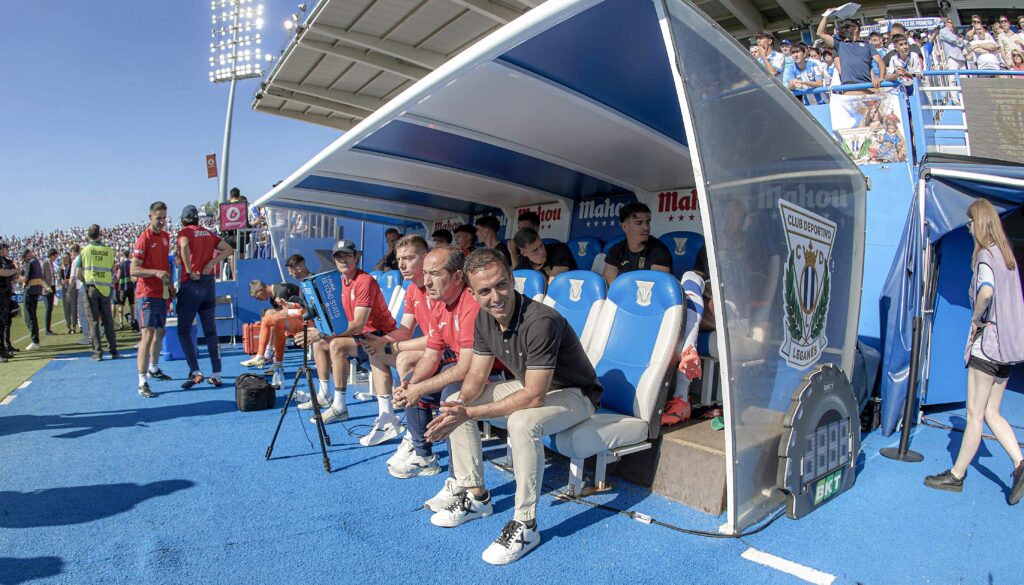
x=870, y=127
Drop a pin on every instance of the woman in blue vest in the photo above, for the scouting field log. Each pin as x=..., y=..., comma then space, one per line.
x=994, y=344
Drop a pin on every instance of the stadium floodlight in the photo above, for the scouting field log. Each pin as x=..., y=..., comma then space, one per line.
x=233, y=26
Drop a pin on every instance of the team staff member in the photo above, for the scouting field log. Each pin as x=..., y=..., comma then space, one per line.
x=527, y=219
x=639, y=251
x=49, y=288
x=98, y=276
x=555, y=388
x=390, y=259
x=8, y=271
x=283, y=318
x=487, y=228
x=551, y=259
x=367, y=312
x=441, y=368
x=465, y=238
x=200, y=252
x=153, y=291
x=399, y=348
x=71, y=295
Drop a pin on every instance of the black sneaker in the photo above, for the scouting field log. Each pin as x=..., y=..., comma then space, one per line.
x=1017, y=490
x=192, y=381
x=159, y=375
x=113, y=354
x=216, y=382
x=945, y=481
x=145, y=392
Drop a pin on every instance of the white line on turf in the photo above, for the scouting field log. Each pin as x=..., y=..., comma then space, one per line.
x=789, y=567
x=24, y=385
x=23, y=338
x=67, y=359
x=7, y=400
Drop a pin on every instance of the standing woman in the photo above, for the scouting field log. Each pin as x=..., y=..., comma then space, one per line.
x=995, y=342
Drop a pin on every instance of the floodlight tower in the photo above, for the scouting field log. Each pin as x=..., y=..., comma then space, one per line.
x=234, y=26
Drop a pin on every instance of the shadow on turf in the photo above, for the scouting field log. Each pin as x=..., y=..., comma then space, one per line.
x=14, y=570
x=80, y=424
x=76, y=505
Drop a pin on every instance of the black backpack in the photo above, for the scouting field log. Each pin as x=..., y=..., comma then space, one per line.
x=253, y=392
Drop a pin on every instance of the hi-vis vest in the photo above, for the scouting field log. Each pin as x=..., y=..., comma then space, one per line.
x=98, y=266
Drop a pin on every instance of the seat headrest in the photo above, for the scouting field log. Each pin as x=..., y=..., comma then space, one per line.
x=684, y=247
x=529, y=283
x=577, y=286
x=645, y=292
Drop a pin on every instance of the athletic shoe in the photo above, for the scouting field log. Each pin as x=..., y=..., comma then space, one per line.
x=462, y=510
x=363, y=396
x=415, y=466
x=32, y=346
x=193, y=380
x=83, y=341
x=383, y=429
x=321, y=401
x=114, y=355
x=1017, y=489
x=450, y=492
x=145, y=392
x=215, y=382
x=48, y=333
x=255, y=362
x=945, y=481
x=97, y=357
x=405, y=450
x=331, y=416
x=12, y=349
x=159, y=375
x=515, y=541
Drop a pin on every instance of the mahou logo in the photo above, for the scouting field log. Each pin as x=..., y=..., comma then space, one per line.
x=448, y=224
x=595, y=209
x=547, y=214
x=673, y=201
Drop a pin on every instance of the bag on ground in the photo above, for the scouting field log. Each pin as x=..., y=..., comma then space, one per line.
x=253, y=392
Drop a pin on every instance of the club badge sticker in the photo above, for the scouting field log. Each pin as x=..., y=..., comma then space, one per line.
x=806, y=284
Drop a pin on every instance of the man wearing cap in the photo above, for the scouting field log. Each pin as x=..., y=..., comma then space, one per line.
x=97, y=275
x=32, y=278
x=200, y=251
x=153, y=291
x=367, y=312
x=8, y=271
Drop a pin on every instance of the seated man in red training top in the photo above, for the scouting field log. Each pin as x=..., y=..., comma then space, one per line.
x=367, y=312
x=285, y=317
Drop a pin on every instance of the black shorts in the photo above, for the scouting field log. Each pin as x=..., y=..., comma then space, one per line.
x=991, y=368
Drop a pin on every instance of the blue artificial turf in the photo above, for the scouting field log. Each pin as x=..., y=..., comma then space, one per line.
x=99, y=485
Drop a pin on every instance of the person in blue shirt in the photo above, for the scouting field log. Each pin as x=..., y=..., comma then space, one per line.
x=854, y=56
x=801, y=74
x=767, y=57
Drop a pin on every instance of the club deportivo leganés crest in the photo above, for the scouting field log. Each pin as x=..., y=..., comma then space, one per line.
x=643, y=292
x=806, y=284
x=575, y=290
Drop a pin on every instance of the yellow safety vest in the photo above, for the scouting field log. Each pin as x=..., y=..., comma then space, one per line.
x=98, y=266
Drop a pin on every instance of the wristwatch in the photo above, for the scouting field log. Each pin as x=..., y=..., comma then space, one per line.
x=387, y=348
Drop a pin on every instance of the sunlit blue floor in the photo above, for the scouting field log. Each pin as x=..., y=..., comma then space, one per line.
x=98, y=485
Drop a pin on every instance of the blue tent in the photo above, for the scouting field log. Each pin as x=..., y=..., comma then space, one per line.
x=928, y=272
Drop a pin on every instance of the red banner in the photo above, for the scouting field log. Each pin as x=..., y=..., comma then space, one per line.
x=211, y=166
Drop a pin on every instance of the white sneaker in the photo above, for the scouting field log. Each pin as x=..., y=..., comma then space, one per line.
x=415, y=466
x=514, y=542
x=384, y=429
x=363, y=396
x=32, y=346
x=255, y=362
x=404, y=451
x=307, y=404
x=462, y=510
x=331, y=415
x=450, y=491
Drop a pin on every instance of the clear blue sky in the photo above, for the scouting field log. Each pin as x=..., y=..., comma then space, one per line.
x=106, y=106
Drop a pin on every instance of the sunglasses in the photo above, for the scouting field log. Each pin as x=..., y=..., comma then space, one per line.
x=970, y=223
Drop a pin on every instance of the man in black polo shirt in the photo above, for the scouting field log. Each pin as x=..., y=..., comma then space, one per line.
x=555, y=388
x=639, y=251
x=551, y=259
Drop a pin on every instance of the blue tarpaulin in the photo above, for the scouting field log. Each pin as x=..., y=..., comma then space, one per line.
x=951, y=185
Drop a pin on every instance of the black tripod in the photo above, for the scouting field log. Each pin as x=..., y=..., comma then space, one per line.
x=305, y=372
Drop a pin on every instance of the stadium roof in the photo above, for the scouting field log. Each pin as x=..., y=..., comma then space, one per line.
x=349, y=57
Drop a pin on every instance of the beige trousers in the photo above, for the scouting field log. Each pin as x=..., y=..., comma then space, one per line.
x=527, y=428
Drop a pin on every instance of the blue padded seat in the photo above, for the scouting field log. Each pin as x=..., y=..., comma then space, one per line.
x=530, y=283
x=578, y=295
x=684, y=247
x=390, y=285
x=585, y=251
x=397, y=303
x=376, y=274
x=598, y=265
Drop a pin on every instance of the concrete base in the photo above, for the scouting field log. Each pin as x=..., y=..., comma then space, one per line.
x=691, y=467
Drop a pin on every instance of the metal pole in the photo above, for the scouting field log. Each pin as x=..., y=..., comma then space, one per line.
x=903, y=453
x=231, y=106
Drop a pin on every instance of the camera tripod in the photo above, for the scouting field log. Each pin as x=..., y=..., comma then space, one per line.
x=305, y=372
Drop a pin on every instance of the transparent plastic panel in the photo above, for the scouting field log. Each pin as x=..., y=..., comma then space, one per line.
x=784, y=216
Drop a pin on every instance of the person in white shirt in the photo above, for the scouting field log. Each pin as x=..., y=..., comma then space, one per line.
x=902, y=65
x=772, y=60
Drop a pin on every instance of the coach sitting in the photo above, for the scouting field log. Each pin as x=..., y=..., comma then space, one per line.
x=555, y=388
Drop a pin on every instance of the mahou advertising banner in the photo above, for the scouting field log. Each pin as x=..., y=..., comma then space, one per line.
x=599, y=218
x=554, y=220
x=449, y=223
x=675, y=211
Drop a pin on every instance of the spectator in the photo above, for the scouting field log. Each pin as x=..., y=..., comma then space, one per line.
x=855, y=56
x=551, y=259
x=465, y=238
x=8, y=272
x=153, y=291
x=828, y=67
x=441, y=237
x=98, y=276
x=952, y=46
x=1017, y=61
x=903, y=65
x=32, y=279
x=1007, y=41
x=772, y=61
x=50, y=272
x=238, y=239
x=983, y=47
x=786, y=48
x=389, y=261
x=639, y=250
x=898, y=30
x=71, y=299
x=487, y=228
x=801, y=75
x=527, y=219
x=875, y=40
x=65, y=299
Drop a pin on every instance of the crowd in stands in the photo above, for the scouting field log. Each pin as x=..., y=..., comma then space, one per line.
x=850, y=54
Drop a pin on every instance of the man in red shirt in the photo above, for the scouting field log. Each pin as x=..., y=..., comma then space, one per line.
x=367, y=312
x=200, y=251
x=150, y=264
x=445, y=362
